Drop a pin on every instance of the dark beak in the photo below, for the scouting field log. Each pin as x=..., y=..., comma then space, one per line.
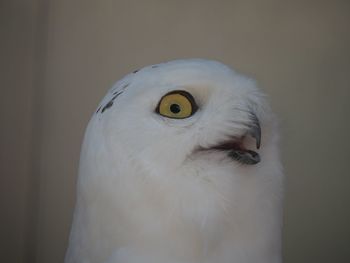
x=247, y=156
x=236, y=148
x=255, y=130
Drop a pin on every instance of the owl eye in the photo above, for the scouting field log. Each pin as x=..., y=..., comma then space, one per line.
x=178, y=104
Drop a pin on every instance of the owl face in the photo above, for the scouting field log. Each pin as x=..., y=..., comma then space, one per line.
x=175, y=112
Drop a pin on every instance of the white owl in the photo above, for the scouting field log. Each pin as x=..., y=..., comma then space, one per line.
x=179, y=164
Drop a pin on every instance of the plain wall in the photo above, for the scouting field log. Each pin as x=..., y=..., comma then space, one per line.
x=21, y=57
x=58, y=58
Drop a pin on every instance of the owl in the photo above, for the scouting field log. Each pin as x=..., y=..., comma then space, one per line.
x=179, y=164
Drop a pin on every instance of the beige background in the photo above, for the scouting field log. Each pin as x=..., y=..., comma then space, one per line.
x=58, y=58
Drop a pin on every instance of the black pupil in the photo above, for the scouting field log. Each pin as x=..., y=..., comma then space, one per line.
x=175, y=108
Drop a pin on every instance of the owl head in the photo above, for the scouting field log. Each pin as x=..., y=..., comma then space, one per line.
x=166, y=115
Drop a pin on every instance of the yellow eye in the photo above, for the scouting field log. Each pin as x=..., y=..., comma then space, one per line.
x=178, y=104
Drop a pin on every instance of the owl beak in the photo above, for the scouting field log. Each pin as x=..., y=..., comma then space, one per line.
x=237, y=149
x=244, y=155
x=255, y=129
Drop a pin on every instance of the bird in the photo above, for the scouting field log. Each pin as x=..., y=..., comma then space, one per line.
x=180, y=163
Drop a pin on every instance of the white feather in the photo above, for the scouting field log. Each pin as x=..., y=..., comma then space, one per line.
x=145, y=195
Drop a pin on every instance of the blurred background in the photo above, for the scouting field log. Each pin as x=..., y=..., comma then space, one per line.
x=58, y=58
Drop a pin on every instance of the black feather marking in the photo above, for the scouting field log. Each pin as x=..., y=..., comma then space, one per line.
x=107, y=106
x=121, y=90
x=116, y=94
x=110, y=103
x=135, y=71
x=98, y=109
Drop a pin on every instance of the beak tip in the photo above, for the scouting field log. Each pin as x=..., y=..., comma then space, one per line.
x=255, y=130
